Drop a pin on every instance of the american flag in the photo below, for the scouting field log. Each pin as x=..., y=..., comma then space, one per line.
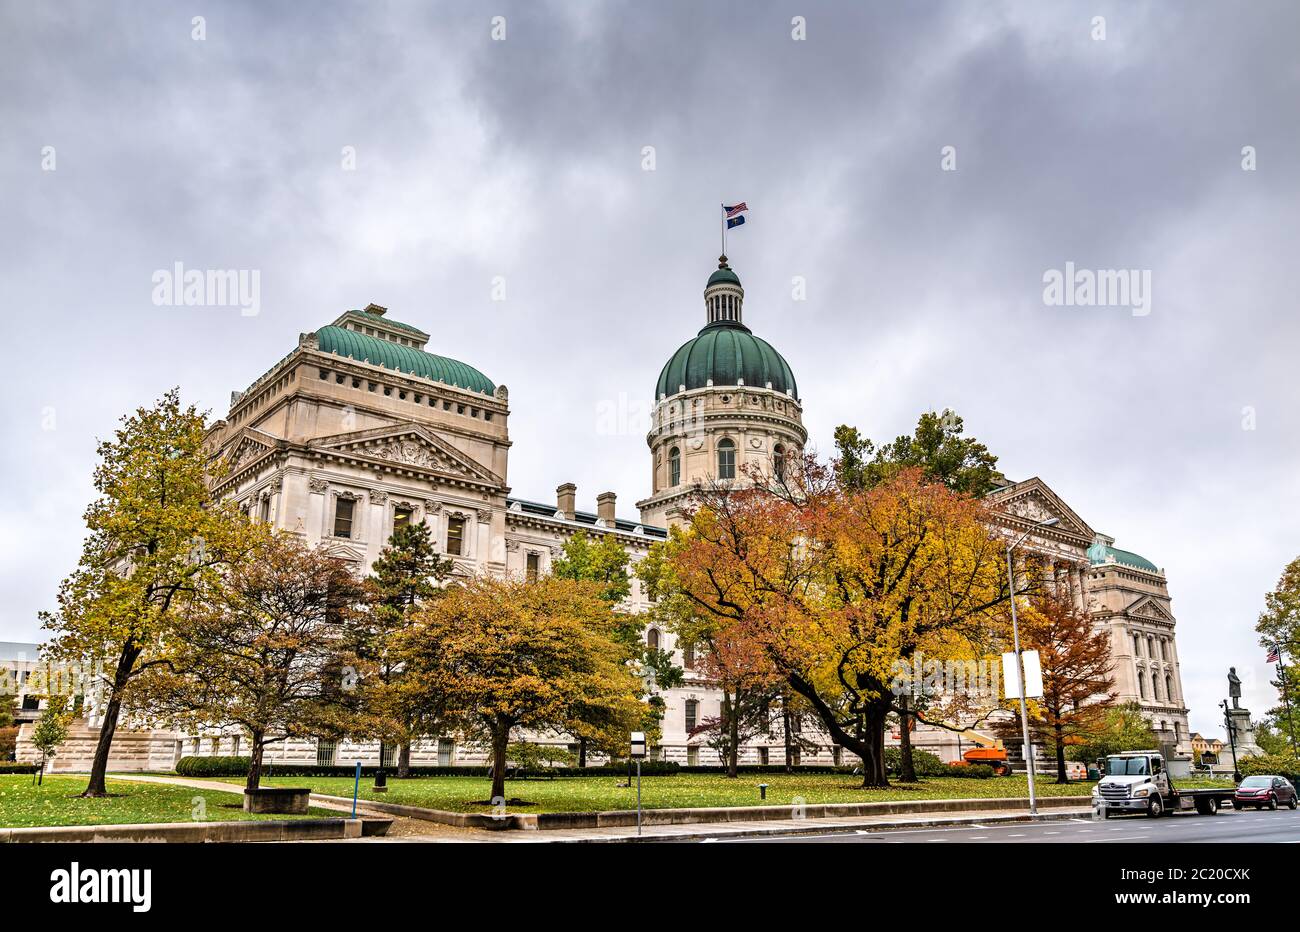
x=732, y=211
x=1274, y=655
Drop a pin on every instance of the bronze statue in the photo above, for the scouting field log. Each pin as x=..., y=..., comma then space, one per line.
x=1234, y=687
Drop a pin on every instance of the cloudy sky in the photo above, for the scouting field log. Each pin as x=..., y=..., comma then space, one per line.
x=134, y=139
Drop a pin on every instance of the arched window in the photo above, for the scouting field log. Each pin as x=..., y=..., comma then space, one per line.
x=1155, y=685
x=1169, y=688
x=726, y=459
x=1137, y=646
x=674, y=466
x=692, y=714
x=1142, y=684
x=778, y=462
x=652, y=638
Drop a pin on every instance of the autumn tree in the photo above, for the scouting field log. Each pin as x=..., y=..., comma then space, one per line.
x=264, y=653
x=1078, y=685
x=735, y=665
x=1279, y=627
x=937, y=448
x=157, y=542
x=503, y=655
x=408, y=572
x=838, y=583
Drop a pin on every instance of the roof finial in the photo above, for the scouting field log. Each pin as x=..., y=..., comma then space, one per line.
x=722, y=262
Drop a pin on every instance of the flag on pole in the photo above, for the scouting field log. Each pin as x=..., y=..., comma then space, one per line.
x=1274, y=655
x=738, y=209
x=735, y=222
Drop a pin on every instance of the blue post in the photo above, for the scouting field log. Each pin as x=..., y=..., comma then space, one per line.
x=355, y=784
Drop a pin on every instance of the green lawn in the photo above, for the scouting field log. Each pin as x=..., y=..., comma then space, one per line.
x=56, y=802
x=579, y=794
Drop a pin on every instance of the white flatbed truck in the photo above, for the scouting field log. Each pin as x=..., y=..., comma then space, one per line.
x=1138, y=781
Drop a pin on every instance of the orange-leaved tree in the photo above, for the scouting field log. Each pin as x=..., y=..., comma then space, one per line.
x=1078, y=685
x=837, y=585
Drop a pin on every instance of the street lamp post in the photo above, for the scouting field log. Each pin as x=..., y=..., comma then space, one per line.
x=1020, y=664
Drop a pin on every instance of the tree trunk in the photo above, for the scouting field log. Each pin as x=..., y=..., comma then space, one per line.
x=258, y=739
x=500, y=738
x=906, y=766
x=121, y=676
x=1060, y=756
x=40, y=780
x=404, y=760
x=785, y=727
x=582, y=752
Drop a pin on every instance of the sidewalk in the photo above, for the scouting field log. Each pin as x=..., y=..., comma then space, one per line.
x=406, y=829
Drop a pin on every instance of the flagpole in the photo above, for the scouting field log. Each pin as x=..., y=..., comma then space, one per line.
x=724, y=229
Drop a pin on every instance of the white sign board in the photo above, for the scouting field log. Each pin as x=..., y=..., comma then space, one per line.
x=1033, y=675
x=638, y=744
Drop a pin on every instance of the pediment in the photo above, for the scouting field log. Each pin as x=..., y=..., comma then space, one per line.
x=251, y=445
x=345, y=552
x=410, y=446
x=1033, y=501
x=1149, y=607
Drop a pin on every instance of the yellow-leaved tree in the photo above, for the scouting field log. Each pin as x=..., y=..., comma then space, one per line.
x=496, y=655
x=156, y=544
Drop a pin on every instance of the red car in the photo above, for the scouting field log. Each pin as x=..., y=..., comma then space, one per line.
x=1264, y=791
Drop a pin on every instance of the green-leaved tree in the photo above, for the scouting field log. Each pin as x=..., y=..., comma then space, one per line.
x=156, y=541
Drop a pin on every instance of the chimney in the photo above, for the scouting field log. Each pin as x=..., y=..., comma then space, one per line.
x=565, y=496
x=605, y=508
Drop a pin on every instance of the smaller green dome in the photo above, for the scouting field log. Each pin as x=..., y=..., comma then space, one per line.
x=724, y=276
x=1101, y=553
x=364, y=348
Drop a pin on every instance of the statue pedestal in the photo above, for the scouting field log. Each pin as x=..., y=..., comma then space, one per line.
x=1243, y=734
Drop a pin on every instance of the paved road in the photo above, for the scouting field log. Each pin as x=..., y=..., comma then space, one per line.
x=1228, y=826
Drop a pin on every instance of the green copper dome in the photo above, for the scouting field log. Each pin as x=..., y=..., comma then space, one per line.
x=365, y=348
x=1101, y=552
x=726, y=352
x=724, y=275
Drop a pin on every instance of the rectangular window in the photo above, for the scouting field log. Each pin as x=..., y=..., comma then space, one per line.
x=390, y=756
x=326, y=751
x=456, y=536
x=762, y=755
x=726, y=462
x=343, y=508
x=692, y=713
x=401, y=517
x=693, y=756
x=534, y=565
x=446, y=749
x=266, y=510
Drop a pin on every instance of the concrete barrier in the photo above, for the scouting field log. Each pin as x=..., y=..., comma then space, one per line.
x=192, y=832
x=543, y=821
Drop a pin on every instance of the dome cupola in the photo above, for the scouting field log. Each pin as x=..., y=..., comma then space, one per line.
x=725, y=352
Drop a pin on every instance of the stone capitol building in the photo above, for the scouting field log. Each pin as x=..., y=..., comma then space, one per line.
x=360, y=428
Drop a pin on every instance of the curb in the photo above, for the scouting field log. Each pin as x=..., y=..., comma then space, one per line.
x=289, y=830
x=835, y=829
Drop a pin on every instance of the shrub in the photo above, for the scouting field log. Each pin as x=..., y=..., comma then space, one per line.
x=213, y=766
x=11, y=767
x=976, y=771
x=923, y=762
x=8, y=743
x=1283, y=765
